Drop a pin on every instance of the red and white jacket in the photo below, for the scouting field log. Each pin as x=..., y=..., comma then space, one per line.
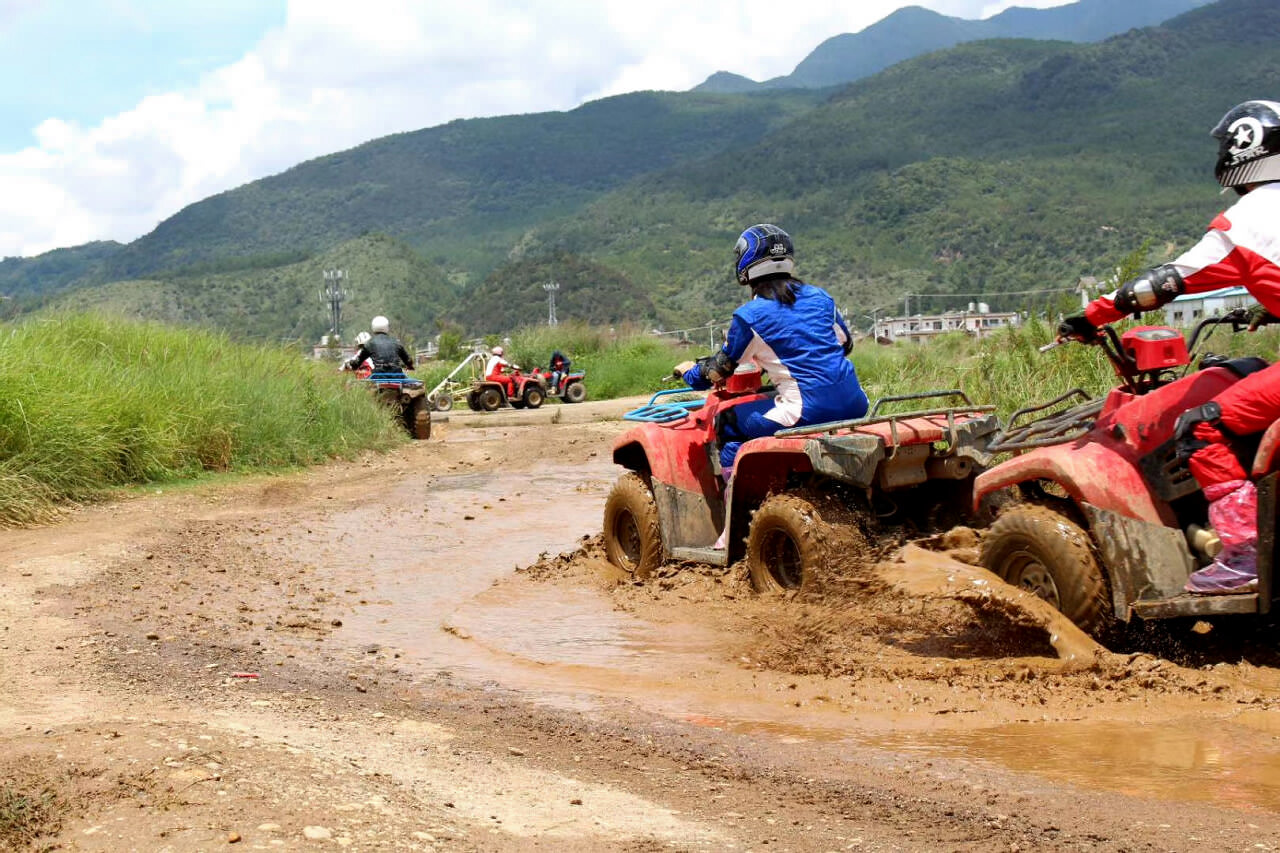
x=1242, y=248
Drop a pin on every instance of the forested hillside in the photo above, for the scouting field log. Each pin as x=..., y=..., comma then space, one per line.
x=992, y=168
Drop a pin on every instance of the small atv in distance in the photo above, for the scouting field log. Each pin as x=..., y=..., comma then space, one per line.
x=788, y=491
x=486, y=395
x=1103, y=532
x=570, y=389
x=406, y=396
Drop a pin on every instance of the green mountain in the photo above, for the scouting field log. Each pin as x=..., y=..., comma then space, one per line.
x=975, y=173
x=913, y=31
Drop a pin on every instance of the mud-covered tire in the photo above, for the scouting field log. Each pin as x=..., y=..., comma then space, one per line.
x=1039, y=549
x=473, y=401
x=575, y=392
x=788, y=544
x=533, y=395
x=443, y=402
x=420, y=419
x=490, y=399
x=632, y=536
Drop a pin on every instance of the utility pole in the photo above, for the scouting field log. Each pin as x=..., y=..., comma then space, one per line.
x=333, y=294
x=551, y=287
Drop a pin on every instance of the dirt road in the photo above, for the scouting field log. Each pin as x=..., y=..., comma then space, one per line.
x=426, y=651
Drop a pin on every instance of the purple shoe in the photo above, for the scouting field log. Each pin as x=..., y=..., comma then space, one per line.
x=1219, y=578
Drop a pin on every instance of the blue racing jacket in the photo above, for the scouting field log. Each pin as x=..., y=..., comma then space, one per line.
x=802, y=347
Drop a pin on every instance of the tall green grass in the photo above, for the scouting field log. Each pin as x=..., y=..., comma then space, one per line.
x=88, y=403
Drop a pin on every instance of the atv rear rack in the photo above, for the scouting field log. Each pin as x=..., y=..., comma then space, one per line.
x=873, y=417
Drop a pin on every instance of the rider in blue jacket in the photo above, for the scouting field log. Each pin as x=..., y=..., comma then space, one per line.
x=792, y=331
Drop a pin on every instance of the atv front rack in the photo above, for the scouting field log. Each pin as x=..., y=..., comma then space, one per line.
x=666, y=412
x=1057, y=428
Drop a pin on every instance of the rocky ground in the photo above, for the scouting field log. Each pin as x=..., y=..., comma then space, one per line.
x=426, y=650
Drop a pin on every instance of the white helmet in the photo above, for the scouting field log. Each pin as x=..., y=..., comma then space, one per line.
x=380, y=324
x=497, y=350
x=363, y=338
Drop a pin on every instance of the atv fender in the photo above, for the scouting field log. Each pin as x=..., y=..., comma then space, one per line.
x=1091, y=473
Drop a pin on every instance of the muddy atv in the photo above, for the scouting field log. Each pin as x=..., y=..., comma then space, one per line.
x=407, y=397
x=487, y=395
x=1107, y=512
x=792, y=495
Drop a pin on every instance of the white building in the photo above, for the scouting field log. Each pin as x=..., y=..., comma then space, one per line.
x=1191, y=308
x=978, y=321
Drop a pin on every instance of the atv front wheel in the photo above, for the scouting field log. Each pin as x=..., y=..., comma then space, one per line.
x=575, y=392
x=533, y=395
x=1042, y=551
x=632, y=537
x=787, y=544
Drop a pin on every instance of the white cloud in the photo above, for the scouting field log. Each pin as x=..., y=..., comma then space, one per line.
x=339, y=73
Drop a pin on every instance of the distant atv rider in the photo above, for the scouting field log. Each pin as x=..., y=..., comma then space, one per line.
x=1242, y=247
x=387, y=354
x=793, y=332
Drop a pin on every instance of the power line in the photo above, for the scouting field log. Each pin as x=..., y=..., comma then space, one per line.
x=1003, y=293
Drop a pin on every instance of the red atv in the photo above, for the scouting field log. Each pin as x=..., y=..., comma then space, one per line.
x=528, y=391
x=570, y=388
x=1106, y=528
x=787, y=490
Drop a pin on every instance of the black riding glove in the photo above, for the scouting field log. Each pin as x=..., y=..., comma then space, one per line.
x=1076, y=327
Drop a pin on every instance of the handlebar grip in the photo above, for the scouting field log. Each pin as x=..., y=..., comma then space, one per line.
x=1051, y=345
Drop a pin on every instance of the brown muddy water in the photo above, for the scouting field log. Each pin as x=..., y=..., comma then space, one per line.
x=438, y=585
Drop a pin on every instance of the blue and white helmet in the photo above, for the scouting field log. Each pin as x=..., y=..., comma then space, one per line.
x=763, y=250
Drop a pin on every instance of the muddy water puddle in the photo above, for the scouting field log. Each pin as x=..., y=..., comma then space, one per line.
x=435, y=580
x=1229, y=762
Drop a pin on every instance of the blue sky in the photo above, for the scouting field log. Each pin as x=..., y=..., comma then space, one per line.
x=82, y=61
x=116, y=114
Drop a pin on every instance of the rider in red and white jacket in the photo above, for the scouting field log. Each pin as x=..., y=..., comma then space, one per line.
x=1242, y=247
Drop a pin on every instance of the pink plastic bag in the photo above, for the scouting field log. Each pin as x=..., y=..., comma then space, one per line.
x=1233, y=514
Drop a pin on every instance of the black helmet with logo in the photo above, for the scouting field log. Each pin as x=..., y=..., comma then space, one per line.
x=762, y=251
x=1248, y=145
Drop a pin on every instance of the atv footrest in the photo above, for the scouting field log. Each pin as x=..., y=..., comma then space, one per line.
x=710, y=556
x=1197, y=605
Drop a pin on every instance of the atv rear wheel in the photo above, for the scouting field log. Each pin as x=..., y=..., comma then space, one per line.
x=533, y=395
x=473, y=401
x=1042, y=551
x=420, y=419
x=575, y=392
x=490, y=399
x=787, y=544
x=632, y=537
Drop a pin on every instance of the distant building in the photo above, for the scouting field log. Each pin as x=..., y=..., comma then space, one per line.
x=978, y=321
x=339, y=350
x=1191, y=308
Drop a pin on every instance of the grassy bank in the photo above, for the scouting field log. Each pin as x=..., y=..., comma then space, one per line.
x=90, y=403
